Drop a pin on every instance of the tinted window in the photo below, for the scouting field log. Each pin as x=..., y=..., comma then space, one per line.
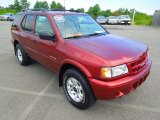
x=43, y=24
x=17, y=20
x=27, y=22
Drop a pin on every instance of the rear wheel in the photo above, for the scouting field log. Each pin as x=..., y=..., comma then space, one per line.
x=22, y=57
x=77, y=89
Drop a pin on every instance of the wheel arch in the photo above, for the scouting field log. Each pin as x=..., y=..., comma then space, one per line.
x=72, y=64
x=15, y=43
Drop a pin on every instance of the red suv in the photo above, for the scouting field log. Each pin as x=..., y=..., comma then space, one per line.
x=91, y=63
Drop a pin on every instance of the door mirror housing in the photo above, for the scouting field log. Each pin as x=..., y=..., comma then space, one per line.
x=46, y=36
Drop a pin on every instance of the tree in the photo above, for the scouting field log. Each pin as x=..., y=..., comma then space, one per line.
x=16, y=6
x=94, y=11
x=105, y=13
x=72, y=9
x=59, y=6
x=41, y=4
x=80, y=10
x=24, y=4
x=55, y=5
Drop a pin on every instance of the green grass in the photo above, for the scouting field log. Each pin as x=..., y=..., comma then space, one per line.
x=143, y=19
x=7, y=10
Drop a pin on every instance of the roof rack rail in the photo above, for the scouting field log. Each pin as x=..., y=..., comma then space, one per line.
x=63, y=10
x=35, y=9
x=44, y=10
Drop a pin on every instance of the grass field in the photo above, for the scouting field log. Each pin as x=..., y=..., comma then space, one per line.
x=3, y=11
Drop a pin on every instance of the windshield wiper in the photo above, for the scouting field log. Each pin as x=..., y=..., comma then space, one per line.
x=73, y=37
x=94, y=34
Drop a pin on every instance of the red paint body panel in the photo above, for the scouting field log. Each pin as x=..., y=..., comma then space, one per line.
x=88, y=55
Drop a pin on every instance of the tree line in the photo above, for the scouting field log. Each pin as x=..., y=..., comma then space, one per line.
x=94, y=11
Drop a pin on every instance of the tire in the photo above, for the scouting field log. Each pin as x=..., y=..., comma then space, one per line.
x=22, y=57
x=77, y=89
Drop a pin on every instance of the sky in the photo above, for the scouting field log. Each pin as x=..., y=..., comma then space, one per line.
x=146, y=6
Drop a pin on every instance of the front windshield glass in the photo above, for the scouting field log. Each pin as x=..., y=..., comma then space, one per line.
x=125, y=17
x=74, y=26
x=112, y=17
x=101, y=17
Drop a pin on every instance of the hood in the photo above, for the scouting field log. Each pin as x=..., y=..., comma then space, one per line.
x=3, y=16
x=116, y=50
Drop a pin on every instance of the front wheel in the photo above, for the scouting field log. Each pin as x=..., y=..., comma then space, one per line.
x=77, y=89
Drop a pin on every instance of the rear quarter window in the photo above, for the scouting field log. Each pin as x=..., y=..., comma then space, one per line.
x=27, y=22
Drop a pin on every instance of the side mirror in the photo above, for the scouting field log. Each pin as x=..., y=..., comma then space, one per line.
x=46, y=35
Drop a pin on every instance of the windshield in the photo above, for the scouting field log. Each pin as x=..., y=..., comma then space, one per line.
x=101, y=17
x=125, y=17
x=112, y=17
x=74, y=26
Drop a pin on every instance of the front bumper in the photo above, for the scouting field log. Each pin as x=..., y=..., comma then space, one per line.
x=101, y=22
x=120, y=87
x=112, y=22
x=125, y=22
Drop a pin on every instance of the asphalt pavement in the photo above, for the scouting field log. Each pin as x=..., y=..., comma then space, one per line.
x=32, y=92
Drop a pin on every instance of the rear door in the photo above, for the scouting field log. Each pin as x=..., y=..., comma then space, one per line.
x=27, y=32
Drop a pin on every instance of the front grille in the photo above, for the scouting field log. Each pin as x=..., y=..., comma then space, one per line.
x=138, y=65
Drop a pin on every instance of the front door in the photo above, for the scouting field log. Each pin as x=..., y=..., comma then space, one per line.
x=44, y=50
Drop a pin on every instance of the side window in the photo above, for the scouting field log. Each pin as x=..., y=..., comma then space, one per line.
x=43, y=25
x=17, y=20
x=27, y=22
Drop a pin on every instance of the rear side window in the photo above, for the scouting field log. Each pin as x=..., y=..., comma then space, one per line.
x=17, y=20
x=27, y=22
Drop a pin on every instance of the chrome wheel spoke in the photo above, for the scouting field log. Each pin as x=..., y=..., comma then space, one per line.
x=19, y=55
x=75, y=90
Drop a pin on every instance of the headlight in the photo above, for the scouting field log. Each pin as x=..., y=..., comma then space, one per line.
x=114, y=71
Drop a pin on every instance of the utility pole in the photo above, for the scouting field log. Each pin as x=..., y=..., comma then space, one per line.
x=134, y=12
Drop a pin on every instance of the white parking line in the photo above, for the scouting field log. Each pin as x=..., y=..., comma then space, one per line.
x=43, y=94
x=34, y=103
x=156, y=63
x=19, y=91
x=130, y=106
x=29, y=92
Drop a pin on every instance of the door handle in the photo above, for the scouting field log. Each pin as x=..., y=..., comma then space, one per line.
x=35, y=41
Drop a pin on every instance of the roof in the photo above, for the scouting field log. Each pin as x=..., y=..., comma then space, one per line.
x=51, y=11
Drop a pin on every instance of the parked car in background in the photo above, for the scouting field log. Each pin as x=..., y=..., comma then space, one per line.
x=7, y=17
x=112, y=20
x=101, y=19
x=124, y=19
x=12, y=18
